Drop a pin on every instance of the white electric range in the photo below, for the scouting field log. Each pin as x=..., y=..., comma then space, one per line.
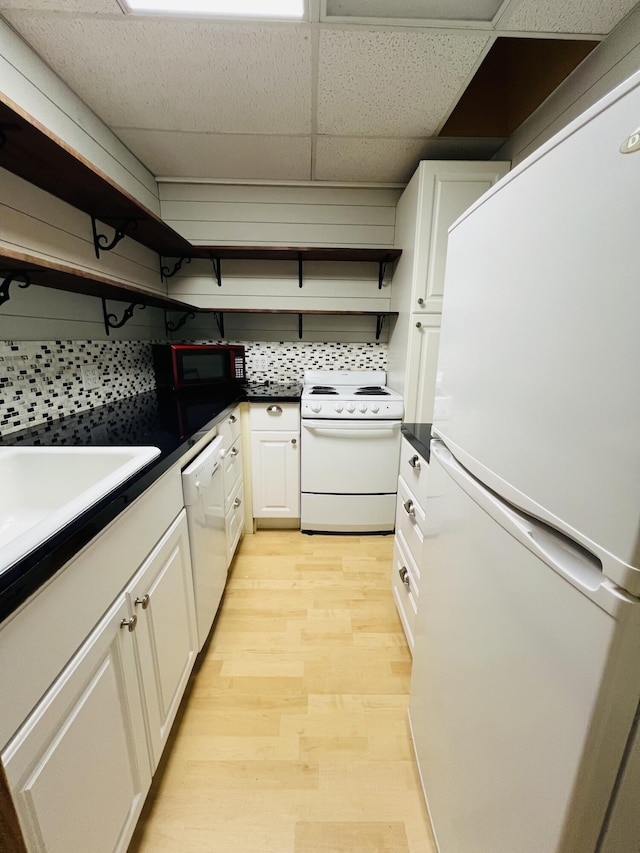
x=350, y=452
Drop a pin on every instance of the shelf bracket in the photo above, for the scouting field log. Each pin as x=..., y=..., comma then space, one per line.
x=218, y=316
x=380, y=325
x=8, y=281
x=217, y=269
x=300, y=326
x=111, y=320
x=382, y=269
x=101, y=241
x=166, y=272
x=173, y=327
x=300, y=272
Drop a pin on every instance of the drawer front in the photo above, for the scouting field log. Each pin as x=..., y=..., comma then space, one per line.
x=229, y=428
x=414, y=470
x=274, y=416
x=410, y=520
x=232, y=471
x=404, y=586
x=234, y=521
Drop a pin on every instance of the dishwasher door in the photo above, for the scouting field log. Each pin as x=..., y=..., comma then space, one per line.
x=202, y=486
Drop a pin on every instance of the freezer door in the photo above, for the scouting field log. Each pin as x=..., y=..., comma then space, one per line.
x=525, y=678
x=539, y=351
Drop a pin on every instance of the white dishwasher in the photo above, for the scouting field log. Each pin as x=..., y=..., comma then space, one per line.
x=203, y=489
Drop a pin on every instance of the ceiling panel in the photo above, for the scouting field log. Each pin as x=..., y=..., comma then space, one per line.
x=369, y=160
x=180, y=75
x=452, y=10
x=381, y=83
x=89, y=6
x=568, y=16
x=199, y=155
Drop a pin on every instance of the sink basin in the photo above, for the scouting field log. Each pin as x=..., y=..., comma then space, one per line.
x=44, y=488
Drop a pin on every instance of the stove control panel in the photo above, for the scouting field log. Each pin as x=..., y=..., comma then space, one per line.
x=340, y=409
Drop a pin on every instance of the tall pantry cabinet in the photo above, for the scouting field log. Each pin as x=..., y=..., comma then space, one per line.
x=437, y=194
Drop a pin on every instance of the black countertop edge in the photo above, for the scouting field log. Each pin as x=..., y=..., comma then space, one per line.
x=170, y=422
x=274, y=392
x=419, y=437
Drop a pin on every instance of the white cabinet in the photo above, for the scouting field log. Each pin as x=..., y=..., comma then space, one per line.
x=161, y=598
x=409, y=537
x=234, y=503
x=79, y=768
x=438, y=193
x=275, y=459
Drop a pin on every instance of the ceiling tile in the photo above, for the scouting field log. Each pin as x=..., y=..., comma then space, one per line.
x=180, y=75
x=570, y=16
x=452, y=10
x=106, y=7
x=383, y=83
x=201, y=155
x=372, y=160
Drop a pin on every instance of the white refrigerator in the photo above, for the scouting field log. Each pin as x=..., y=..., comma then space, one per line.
x=526, y=677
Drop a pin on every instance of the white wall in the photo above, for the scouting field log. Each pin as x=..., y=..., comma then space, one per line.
x=29, y=84
x=613, y=61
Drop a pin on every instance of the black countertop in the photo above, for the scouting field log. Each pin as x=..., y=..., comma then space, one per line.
x=419, y=436
x=171, y=422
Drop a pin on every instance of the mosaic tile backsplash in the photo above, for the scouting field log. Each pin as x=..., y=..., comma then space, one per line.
x=42, y=381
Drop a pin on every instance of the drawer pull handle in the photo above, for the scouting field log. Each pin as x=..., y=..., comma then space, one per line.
x=415, y=462
x=130, y=624
x=274, y=410
x=409, y=508
x=404, y=577
x=143, y=602
x=237, y=503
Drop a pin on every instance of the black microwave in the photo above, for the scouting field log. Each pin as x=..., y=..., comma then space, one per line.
x=183, y=366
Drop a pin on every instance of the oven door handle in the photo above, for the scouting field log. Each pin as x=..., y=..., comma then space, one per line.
x=353, y=430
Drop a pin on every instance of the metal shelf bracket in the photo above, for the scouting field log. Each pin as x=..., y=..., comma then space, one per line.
x=173, y=327
x=217, y=269
x=300, y=271
x=219, y=318
x=101, y=241
x=166, y=272
x=9, y=278
x=300, y=326
x=380, y=325
x=111, y=320
x=382, y=269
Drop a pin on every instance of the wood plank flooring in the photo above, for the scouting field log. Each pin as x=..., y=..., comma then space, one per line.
x=293, y=736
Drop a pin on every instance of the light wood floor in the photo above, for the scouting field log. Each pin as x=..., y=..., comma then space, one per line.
x=293, y=736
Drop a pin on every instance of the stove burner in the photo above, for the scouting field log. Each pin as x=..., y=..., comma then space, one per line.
x=372, y=391
x=323, y=389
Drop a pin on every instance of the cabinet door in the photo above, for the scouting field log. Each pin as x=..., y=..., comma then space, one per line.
x=166, y=639
x=275, y=461
x=422, y=363
x=79, y=768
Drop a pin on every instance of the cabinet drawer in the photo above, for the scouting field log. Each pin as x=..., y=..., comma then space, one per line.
x=414, y=471
x=274, y=416
x=229, y=428
x=410, y=520
x=404, y=584
x=232, y=467
x=234, y=521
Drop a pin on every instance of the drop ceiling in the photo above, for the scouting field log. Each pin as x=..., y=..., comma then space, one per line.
x=359, y=91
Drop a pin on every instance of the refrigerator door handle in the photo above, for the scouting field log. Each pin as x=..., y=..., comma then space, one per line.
x=562, y=554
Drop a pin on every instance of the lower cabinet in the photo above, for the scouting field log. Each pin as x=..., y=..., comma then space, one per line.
x=80, y=766
x=275, y=460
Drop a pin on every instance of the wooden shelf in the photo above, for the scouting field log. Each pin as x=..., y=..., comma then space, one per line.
x=35, y=154
x=304, y=311
x=46, y=274
x=296, y=253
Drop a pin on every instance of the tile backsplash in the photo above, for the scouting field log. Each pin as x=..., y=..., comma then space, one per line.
x=42, y=381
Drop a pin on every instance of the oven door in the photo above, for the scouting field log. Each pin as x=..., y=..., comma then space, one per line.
x=350, y=457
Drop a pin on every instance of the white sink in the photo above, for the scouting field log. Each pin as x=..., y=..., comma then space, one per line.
x=44, y=488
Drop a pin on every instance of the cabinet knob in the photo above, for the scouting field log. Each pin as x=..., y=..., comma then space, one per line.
x=232, y=419
x=235, y=451
x=409, y=508
x=274, y=410
x=130, y=624
x=237, y=503
x=404, y=577
x=294, y=441
x=415, y=462
x=421, y=301
x=418, y=325
x=143, y=602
